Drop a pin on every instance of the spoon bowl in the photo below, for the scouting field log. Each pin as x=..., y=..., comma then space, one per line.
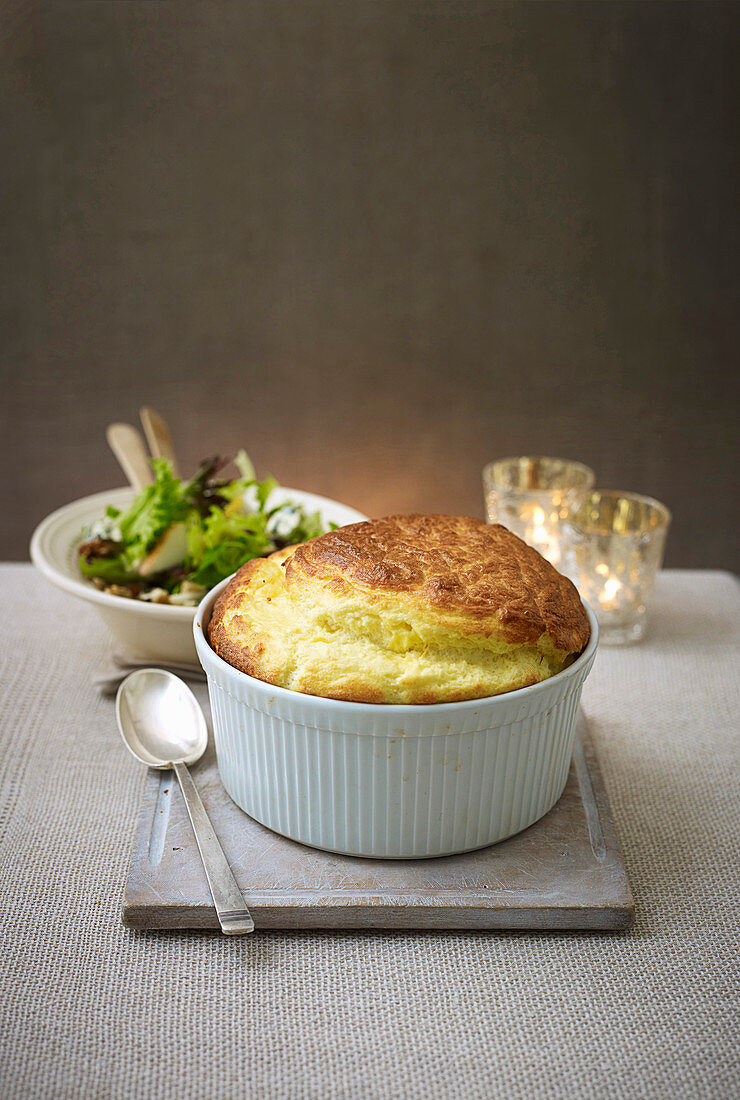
x=160, y=719
x=162, y=725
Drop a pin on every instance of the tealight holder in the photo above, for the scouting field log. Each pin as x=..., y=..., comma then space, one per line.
x=613, y=545
x=532, y=495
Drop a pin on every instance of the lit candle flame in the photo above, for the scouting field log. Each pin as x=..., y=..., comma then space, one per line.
x=611, y=587
x=537, y=533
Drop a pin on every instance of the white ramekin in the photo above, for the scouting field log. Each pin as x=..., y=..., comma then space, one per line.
x=391, y=781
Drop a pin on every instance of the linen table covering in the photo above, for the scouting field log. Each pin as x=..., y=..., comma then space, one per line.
x=91, y=1009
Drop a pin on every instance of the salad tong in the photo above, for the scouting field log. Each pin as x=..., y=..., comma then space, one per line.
x=128, y=446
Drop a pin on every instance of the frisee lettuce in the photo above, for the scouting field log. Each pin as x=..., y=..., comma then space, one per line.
x=155, y=509
x=222, y=532
x=219, y=544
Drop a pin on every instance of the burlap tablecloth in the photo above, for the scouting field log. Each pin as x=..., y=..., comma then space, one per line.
x=89, y=1009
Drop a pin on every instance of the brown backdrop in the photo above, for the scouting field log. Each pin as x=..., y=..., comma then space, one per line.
x=377, y=244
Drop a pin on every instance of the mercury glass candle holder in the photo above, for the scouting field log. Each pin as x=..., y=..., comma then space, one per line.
x=533, y=495
x=614, y=545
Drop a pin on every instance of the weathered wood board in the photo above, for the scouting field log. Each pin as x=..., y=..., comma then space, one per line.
x=564, y=872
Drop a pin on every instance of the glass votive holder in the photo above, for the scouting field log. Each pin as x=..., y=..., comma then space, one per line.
x=613, y=548
x=532, y=495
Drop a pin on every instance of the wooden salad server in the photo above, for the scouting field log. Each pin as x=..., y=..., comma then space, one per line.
x=158, y=436
x=129, y=448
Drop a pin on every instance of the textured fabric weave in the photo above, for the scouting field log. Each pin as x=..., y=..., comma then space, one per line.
x=89, y=1009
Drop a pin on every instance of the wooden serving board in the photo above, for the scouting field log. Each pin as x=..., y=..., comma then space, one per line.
x=563, y=872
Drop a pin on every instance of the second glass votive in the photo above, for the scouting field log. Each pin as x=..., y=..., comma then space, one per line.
x=532, y=495
x=614, y=544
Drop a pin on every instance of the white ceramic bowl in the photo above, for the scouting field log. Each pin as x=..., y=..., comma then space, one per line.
x=391, y=781
x=150, y=632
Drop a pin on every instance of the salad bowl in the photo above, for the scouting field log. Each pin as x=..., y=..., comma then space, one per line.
x=146, y=631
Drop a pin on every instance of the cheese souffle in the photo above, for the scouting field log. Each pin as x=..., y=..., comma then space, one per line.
x=407, y=609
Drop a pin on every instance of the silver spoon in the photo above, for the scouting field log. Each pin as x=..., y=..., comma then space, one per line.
x=162, y=725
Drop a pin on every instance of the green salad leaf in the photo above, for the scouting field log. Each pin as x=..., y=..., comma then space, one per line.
x=155, y=509
x=226, y=522
x=113, y=570
x=219, y=544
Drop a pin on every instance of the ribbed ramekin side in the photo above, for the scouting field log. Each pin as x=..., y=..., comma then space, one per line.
x=397, y=795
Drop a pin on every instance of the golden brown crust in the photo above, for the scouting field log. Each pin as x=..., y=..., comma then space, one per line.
x=245, y=658
x=457, y=565
x=412, y=608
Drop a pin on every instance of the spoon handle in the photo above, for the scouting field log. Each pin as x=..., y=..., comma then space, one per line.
x=233, y=915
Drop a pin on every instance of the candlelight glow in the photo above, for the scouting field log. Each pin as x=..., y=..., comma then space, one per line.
x=531, y=495
x=613, y=546
x=611, y=587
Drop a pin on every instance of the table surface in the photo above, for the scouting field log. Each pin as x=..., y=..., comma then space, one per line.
x=88, y=1008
